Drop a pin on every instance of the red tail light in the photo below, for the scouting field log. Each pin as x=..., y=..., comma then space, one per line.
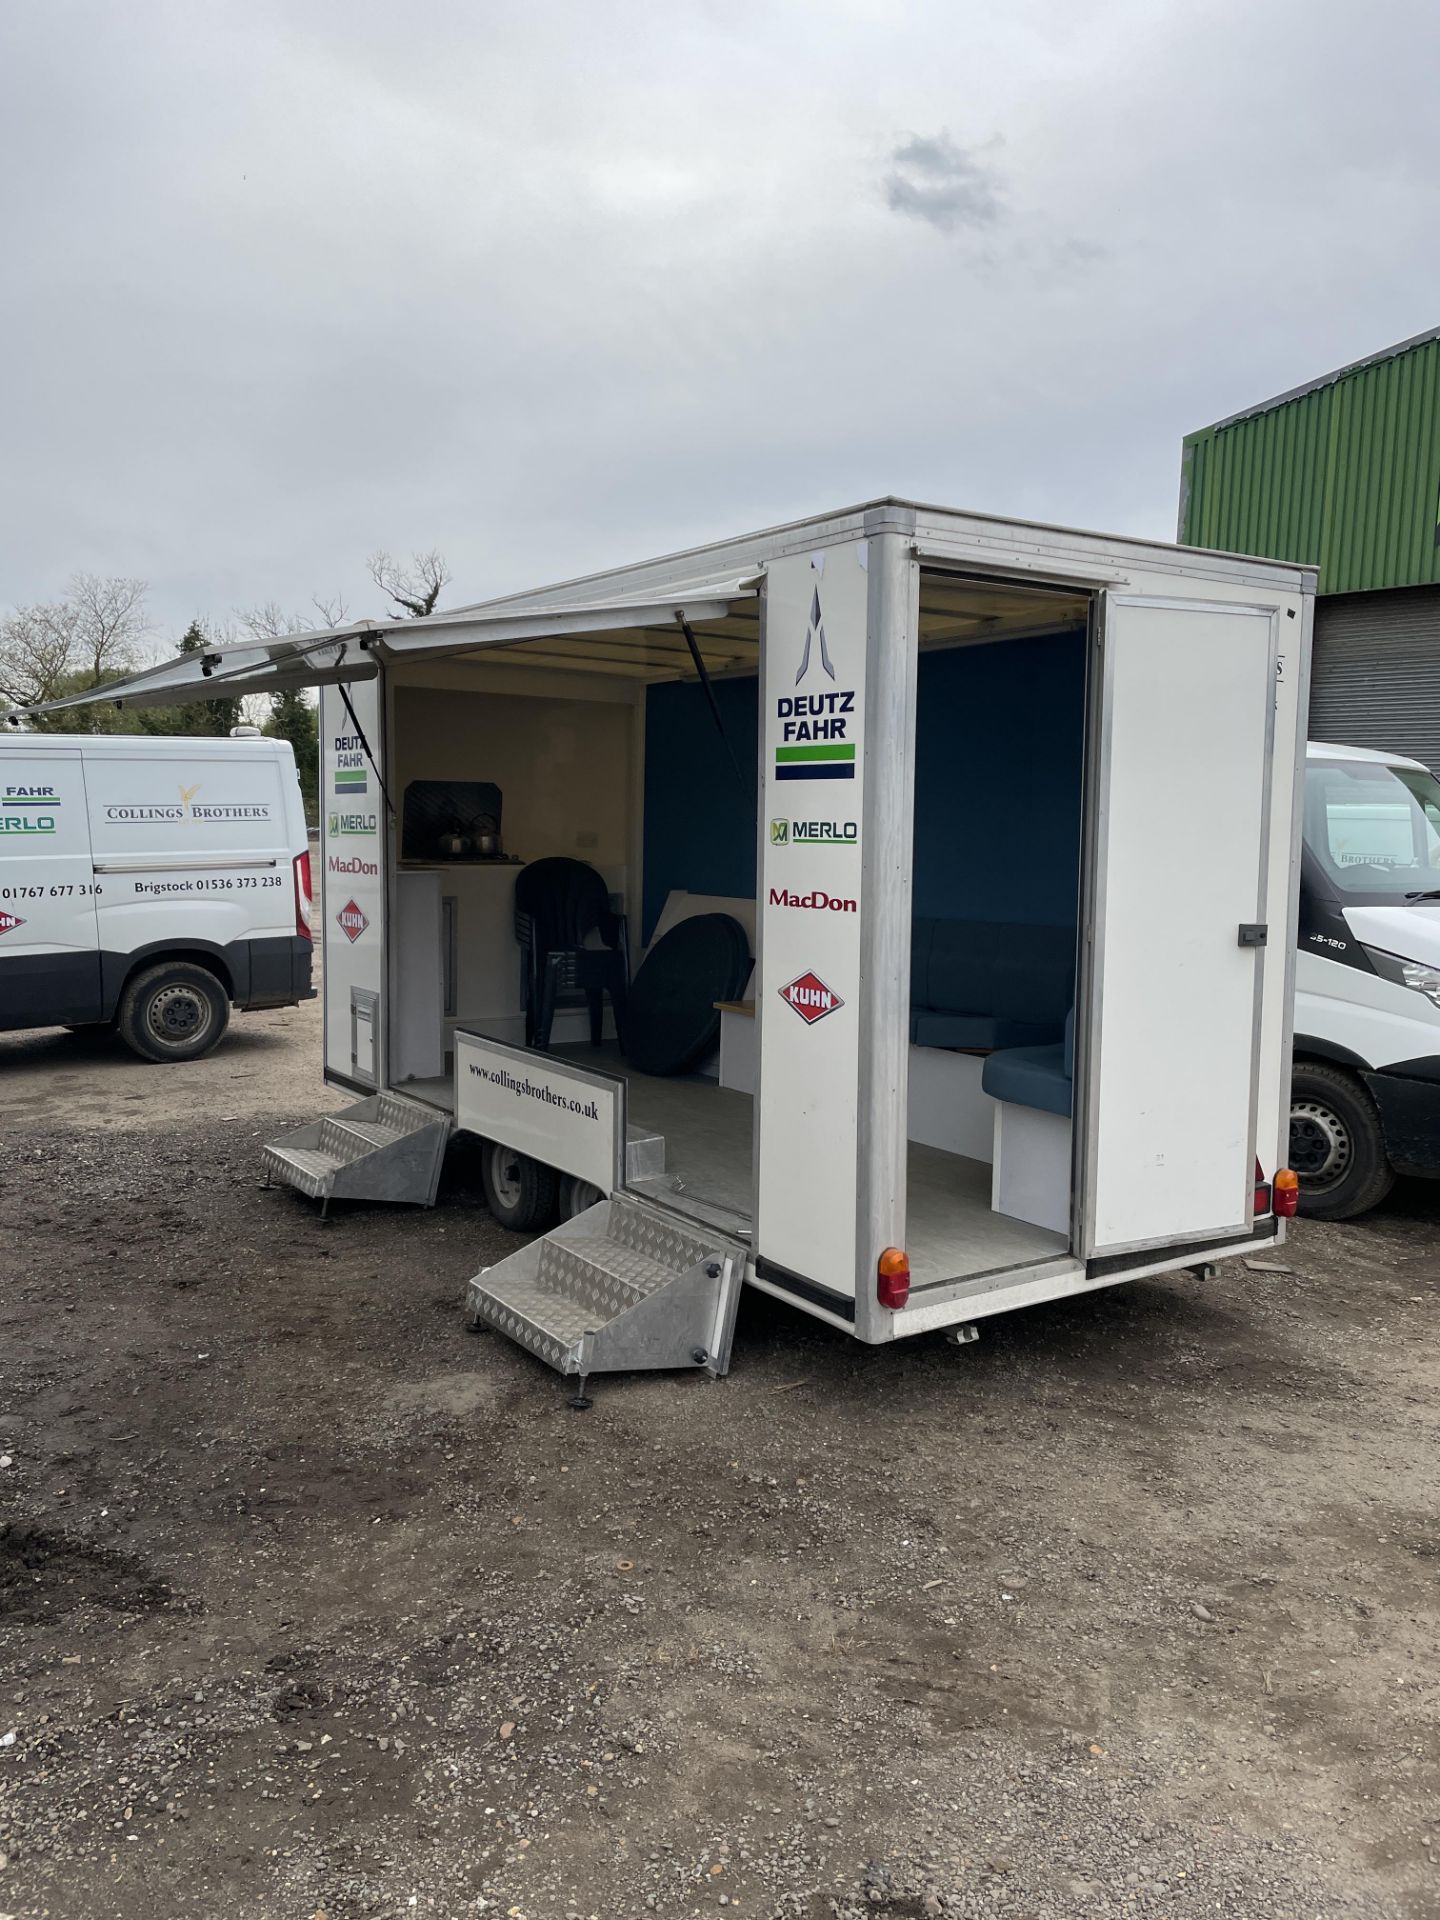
x=304, y=912
x=892, y=1285
x=1287, y=1193
x=1262, y=1191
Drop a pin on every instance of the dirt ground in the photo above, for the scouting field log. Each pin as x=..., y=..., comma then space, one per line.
x=314, y=1604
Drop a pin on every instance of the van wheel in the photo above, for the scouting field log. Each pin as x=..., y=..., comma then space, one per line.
x=176, y=1011
x=1336, y=1144
x=519, y=1191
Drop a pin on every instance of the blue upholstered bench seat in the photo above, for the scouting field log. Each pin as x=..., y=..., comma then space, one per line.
x=984, y=984
x=1029, y=1077
x=979, y=1031
x=1040, y=1077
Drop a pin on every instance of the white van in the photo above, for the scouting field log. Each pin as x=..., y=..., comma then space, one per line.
x=1365, y=1101
x=151, y=883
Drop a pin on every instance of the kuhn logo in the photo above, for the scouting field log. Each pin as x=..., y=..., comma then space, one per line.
x=353, y=865
x=9, y=922
x=811, y=998
x=352, y=921
x=818, y=902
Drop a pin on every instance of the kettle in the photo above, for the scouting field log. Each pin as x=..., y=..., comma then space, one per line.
x=453, y=844
x=487, y=837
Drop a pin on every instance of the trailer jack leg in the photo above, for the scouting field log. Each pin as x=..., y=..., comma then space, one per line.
x=1207, y=1270
x=580, y=1401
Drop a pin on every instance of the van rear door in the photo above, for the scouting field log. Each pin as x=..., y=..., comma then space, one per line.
x=49, y=964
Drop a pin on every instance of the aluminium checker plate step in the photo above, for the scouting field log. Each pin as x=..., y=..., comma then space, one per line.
x=618, y=1288
x=383, y=1148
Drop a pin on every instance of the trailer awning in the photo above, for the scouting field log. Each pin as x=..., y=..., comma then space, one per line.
x=640, y=637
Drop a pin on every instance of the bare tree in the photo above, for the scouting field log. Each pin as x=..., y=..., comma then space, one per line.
x=110, y=622
x=414, y=588
x=74, y=644
x=35, y=650
x=269, y=621
x=332, y=611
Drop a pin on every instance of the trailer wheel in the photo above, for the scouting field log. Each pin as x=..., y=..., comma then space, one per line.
x=577, y=1195
x=519, y=1191
x=176, y=1011
x=1336, y=1144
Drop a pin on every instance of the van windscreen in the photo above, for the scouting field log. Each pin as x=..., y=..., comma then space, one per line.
x=1373, y=829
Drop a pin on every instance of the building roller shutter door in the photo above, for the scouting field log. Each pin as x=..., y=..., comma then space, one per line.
x=1376, y=672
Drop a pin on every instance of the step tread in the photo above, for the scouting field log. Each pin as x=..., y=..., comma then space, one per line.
x=313, y=1160
x=617, y=1262
x=641, y=1232
x=371, y=1132
x=526, y=1299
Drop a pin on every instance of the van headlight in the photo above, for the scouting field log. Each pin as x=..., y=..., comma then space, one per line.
x=1407, y=973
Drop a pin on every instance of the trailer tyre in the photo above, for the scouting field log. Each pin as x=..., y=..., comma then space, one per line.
x=1337, y=1146
x=519, y=1191
x=175, y=1011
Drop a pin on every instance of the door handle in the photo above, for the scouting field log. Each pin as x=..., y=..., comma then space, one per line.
x=1253, y=933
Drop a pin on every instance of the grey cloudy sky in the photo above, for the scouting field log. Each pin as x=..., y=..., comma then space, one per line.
x=560, y=286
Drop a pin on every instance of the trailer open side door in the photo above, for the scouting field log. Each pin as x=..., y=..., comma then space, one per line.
x=353, y=832
x=1181, y=744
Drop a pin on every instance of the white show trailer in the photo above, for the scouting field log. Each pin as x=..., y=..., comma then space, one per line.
x=1008, y=816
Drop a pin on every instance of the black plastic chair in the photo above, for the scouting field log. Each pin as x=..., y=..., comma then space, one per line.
x=559, y=903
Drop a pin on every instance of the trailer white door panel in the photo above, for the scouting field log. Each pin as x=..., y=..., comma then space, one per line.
x=1179, y=867
x=352, y=919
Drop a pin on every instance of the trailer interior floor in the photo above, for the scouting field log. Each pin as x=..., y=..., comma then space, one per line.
x=951, y=1231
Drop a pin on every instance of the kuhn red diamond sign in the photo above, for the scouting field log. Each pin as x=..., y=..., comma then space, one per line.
x=352, y=921
x=9, y=922
x=810, y=997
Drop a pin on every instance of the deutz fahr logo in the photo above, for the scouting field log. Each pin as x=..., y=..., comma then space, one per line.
x=9, y=922
x=352, y=921
x=811, y=998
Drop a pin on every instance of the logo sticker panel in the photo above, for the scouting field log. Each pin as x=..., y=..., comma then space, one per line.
x=352, y=921
x=810, y=997
x=9, y=922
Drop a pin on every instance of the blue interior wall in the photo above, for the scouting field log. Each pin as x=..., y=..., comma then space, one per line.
x=699, y=818
x=999, y=751
x=999, y=745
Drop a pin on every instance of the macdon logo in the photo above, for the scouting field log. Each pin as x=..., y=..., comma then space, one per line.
x=818, y=901
x=352, y=921
x=353, y=865
x=810, y=997
x=9, y=922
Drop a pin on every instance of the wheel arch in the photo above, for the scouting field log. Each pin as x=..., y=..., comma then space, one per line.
x=1327, y=1053
x=119, y=969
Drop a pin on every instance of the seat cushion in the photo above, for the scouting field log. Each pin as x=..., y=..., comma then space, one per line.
x=1006, y=969
x=982, y=1031
x=1029, y=1077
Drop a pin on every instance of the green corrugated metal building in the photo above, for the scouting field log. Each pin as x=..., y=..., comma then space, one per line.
x=1344, y=472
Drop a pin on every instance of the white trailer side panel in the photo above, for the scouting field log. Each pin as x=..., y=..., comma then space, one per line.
x=352, y=915
x=1181, y=864
x=808, y=977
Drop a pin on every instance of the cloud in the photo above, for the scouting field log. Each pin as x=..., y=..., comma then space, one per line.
x=933, y=178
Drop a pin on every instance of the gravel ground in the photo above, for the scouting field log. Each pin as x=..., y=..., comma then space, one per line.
x=313, y=1604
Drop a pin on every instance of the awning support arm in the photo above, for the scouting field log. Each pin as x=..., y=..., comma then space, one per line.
x=705, y=681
